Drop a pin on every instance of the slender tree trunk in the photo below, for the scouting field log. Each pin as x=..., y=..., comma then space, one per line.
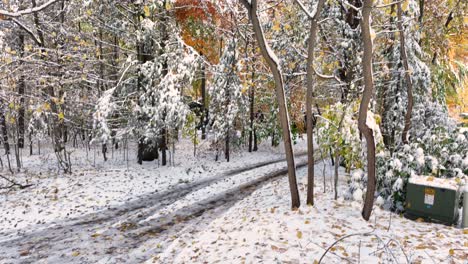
x=204, y=105
x=255, y=147
x=363, y=108
x=163, y=147
x=165, y=37
x=226, y=149
x=409, y=84
x=30, y=144
x=100, y=82
x=3, y=125
x=252, y=113
x=273, y=64
x=21, y=91
x=309, y=103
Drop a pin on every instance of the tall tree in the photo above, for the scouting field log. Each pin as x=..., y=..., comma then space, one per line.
x=273, y=63
x=363, y=108
x=309, y=99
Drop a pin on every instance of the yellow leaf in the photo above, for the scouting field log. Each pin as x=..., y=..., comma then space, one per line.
x=307, y=222
x=421, y=246
x=75, y=253
x=451, y=252
x=245, y=88
x=278, y=249
x=276, y=27
x=465, y=231
x=299, y=234
x=404, y=5
x=146, y=10
x=47, y=106
x=95, y=235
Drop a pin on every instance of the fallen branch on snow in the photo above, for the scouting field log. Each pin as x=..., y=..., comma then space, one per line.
x=13, y=184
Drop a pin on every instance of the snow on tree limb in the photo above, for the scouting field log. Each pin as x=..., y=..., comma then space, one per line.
x=311, y=15
x=27, y=11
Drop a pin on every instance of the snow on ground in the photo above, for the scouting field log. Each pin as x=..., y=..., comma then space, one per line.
x=202, y=211
x=96, y=185
x=262, y=229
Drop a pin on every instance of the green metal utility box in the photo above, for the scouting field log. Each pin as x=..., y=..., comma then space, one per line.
x=433, y=199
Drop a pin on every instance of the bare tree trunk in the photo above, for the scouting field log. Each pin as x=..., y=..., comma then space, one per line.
x=255, y=146
x=252, y=113
x=204, y=105
x=226, y=149
x=165, y=37
x=337, y=166
x=163, y=147
x=21, y=90
x=409, y=84
x=363, y=108
x=309, y=103
x=272, y=62
x=3, y=125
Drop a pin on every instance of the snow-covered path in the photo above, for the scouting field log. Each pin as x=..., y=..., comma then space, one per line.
x=139, y=229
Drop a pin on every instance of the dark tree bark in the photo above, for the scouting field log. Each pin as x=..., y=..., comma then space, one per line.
x=163, y=147
x=165, y=37
x=363, y=108
x=269, y=56
x=255, y=147
x=104, y=151
x=21, y=91
x=252, y=113
x=3, y=125
x=226, y=148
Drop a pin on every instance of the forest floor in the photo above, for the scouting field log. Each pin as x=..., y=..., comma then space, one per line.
x=201, y=211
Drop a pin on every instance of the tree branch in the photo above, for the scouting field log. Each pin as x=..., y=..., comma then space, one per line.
x=309, y=14
x=13, y=184
x=21, y=25
x=27, y=11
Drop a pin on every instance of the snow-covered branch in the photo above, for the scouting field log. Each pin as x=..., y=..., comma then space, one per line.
x=27, y=11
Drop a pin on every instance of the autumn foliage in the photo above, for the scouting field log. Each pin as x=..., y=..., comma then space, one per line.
x=198, y=20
